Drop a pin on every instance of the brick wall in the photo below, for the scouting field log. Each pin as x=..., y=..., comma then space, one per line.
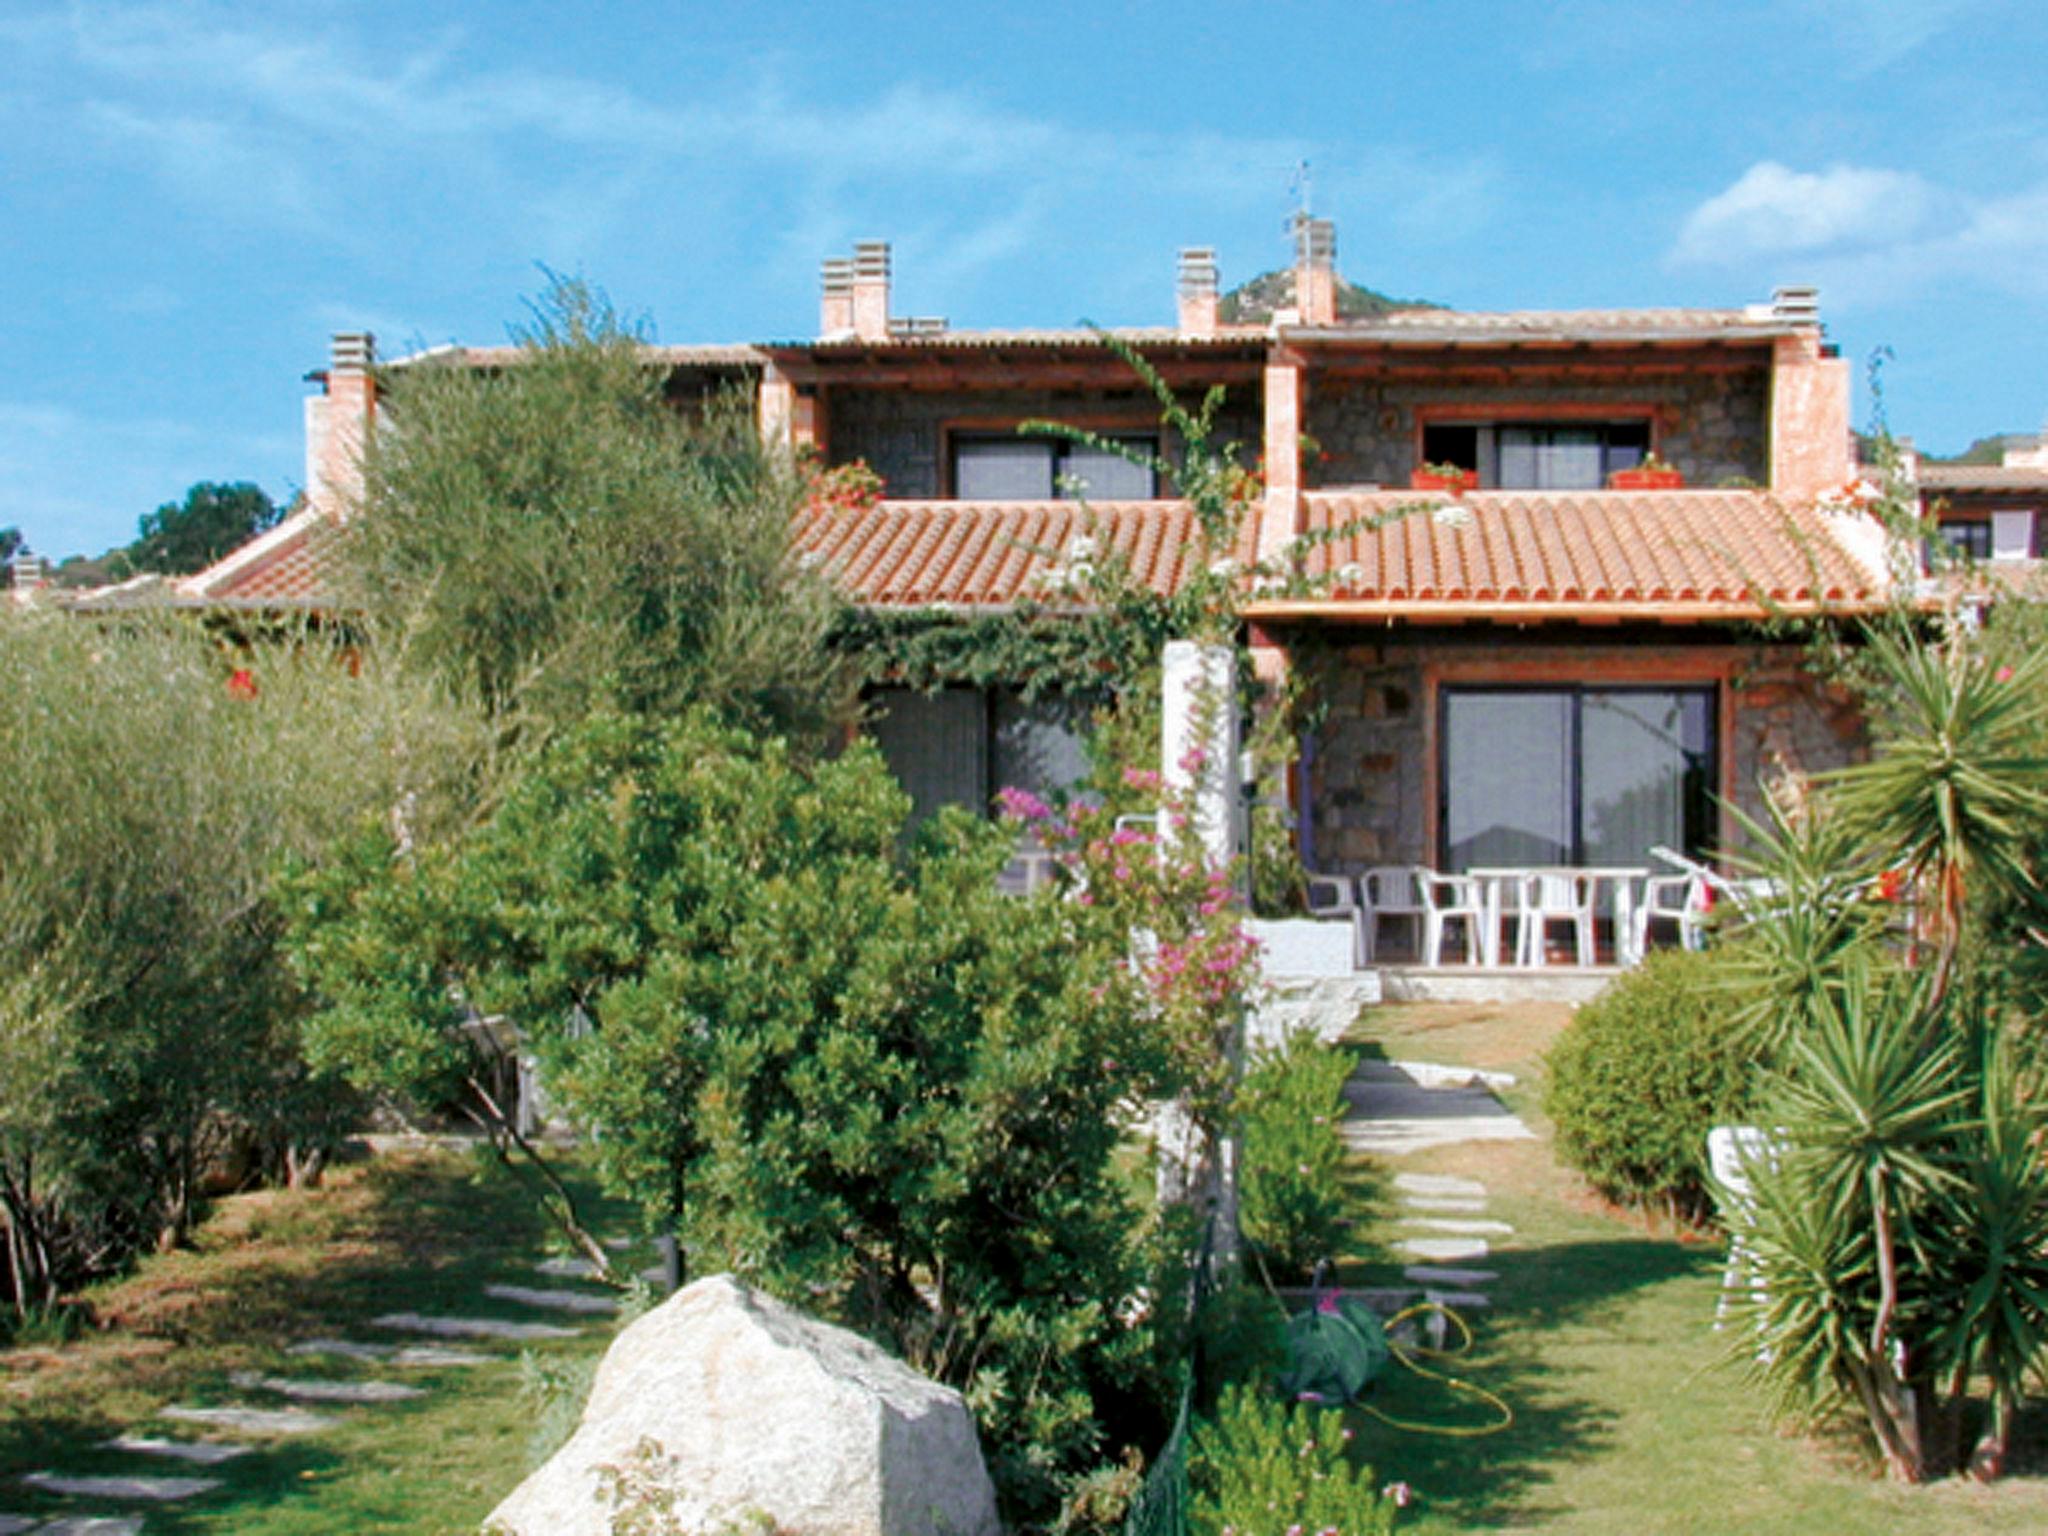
x=901, y=433
x=1368, y=774
x=1713, y=426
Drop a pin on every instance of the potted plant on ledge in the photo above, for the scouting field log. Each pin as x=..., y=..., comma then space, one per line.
x=1653, y=474
x=1450, y=478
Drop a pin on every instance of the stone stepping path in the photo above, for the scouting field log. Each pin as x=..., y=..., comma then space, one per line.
x=1399, y=1107
x=155, y=1490
x=204, y=1453
x=252, y=1421
x=303, y=1391
x=471, y=1327
x=557, y=1301
x=259, y=1421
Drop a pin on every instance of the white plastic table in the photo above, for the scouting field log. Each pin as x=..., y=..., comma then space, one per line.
x=1495, y=881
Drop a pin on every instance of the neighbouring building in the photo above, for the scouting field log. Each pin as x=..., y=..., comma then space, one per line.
x=1557, y=659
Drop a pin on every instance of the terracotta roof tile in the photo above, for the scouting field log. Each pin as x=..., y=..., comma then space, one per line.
x=1983, y=477
x=1650, y=554
x=977, y=554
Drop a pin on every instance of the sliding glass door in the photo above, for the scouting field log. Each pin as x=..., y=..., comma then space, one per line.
x=1584, y=776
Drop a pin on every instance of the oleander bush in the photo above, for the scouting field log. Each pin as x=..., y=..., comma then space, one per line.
x=1642, y=1073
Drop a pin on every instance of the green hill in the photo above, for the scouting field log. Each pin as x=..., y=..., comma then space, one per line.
x=1254, y=302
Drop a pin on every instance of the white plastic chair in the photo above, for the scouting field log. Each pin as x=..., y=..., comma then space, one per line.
x=1732, y=1151
x=1447, y=899
x=1678, y=899
x=1337, y=896
x=1549, y=898
x=1389, y=890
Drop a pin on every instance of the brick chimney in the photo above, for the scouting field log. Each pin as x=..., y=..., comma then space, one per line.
x=27, y=574
x=338, y=424
x=871, y=290
x=1315, y=270
x=835, y=307
x=1198, y=291
x=1810, y=437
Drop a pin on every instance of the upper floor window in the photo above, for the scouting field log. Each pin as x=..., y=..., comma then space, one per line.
x=1004, y=467
x=1971, y=539
x=1538, y=455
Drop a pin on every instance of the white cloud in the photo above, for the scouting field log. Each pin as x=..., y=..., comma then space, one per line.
x=1774, y=210
x=1870, y=234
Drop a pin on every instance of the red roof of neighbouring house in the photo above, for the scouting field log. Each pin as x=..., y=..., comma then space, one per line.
x=1534, y=555
x=291, y=566
x=1983, y=477
x=1581, y=555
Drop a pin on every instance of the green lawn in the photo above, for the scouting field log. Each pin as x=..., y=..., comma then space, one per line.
x=418, y=1231
x=1601, y=1339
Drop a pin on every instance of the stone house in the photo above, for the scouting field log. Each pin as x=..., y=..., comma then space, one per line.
x=1557, y=658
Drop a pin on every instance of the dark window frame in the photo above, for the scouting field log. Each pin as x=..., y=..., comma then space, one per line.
x=1640, y=430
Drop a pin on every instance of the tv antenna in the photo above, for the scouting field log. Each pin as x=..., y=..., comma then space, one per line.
x=1301, y=187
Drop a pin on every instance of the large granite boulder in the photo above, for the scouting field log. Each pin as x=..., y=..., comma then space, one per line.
x=722, y=1406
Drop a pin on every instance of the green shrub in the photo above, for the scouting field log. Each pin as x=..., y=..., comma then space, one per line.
x=1290, y=1106
x=1641, y=1075
x=1262, y=1467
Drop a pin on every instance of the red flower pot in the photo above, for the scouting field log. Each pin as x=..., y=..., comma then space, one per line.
x=1646, y=480
x=1455, y=484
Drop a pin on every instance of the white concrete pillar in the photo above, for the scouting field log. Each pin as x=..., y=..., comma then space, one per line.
x=1199, y=743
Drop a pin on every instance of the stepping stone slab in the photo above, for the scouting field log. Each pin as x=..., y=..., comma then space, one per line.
x=1434, y=1074
x=1471, y=1301
x=326, y=1391
x=10, y=1524
x=1449, y=1250
x=205, y=1453
x=470, y=1327
x=567, y=1269
x=437, y=1355
x=162, y=1490
x=394, y=1354
x=558, y=1301
x=93, y=1525
x=1439, y=1184
x=1450, y=1224
x=1430, y=1274
x=1448, y=1204
x=254, y=1421
x=345, y=1349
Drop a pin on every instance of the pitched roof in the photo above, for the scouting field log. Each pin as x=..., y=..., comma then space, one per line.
x=291, y=566
x=1526, y=555
x=1581, y=555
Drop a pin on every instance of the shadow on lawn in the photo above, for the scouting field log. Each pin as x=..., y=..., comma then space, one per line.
x=1499, y=1479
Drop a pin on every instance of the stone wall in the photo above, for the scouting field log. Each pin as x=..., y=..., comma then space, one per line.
x=1713, y=426
x=1367, y=769
x=901, y=433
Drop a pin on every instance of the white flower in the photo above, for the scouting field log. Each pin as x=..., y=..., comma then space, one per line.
x=1224, y=567
x=1452, y=514
x=1081, y=547
x=1350, y=575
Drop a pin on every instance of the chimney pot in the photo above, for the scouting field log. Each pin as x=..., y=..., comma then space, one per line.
x=835, y=306
x=352, y=352
x=1198, y=291
x=1798, y=304
x=871, y=290
x=1315, y=270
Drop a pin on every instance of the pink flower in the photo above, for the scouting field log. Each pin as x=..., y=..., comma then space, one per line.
x=2003, y=674
x=1142, y=778
x=1022, y=805
x=1400, y=1493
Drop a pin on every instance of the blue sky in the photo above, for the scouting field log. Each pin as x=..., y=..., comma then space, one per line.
x=193, y=196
